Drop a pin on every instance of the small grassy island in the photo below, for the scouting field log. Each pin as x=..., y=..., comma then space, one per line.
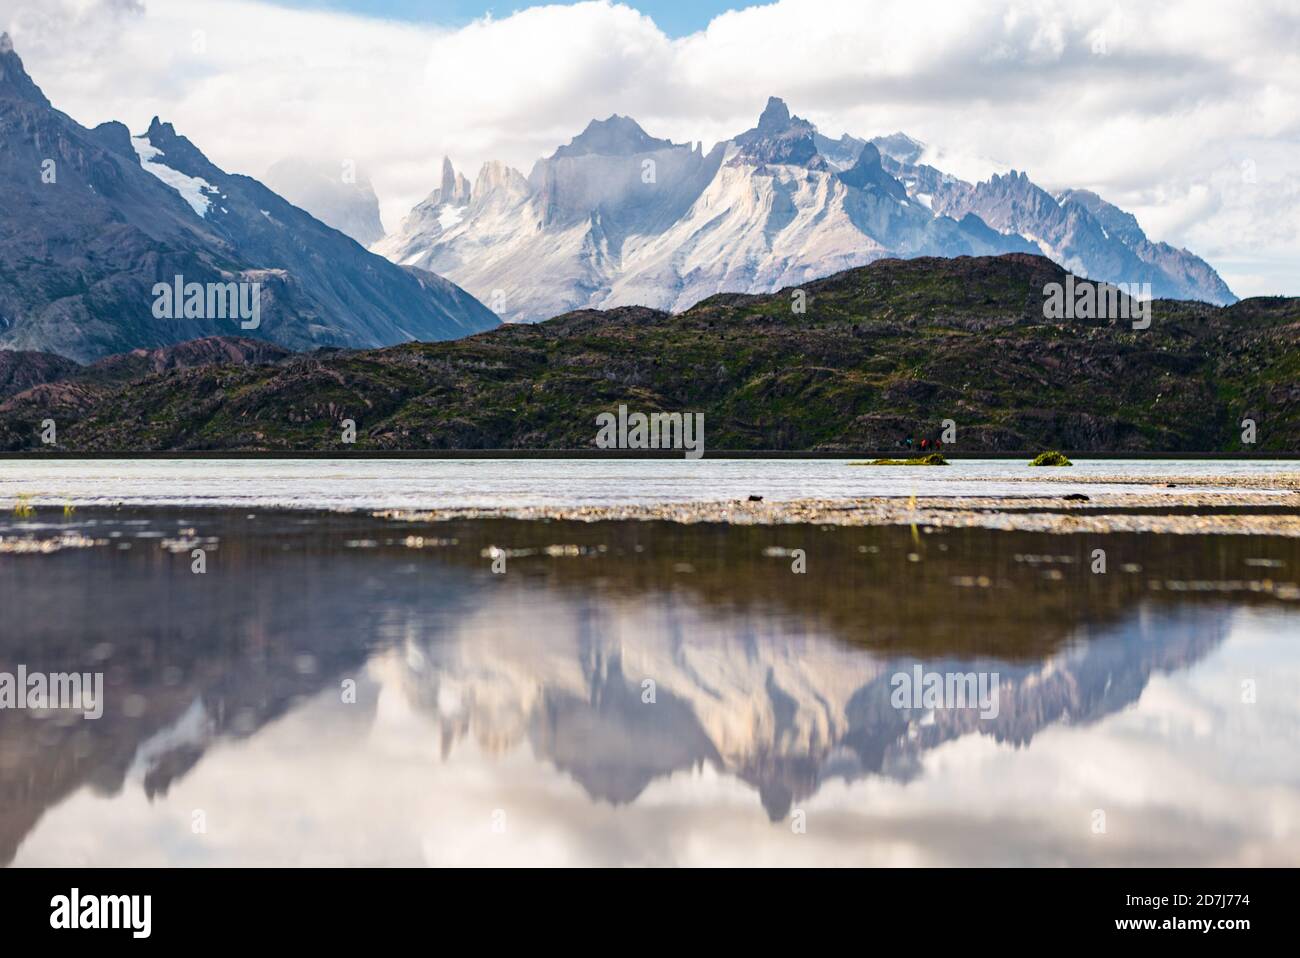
x=1051, y=458
x=934, y=459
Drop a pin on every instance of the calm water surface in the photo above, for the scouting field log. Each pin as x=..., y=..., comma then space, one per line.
x=426, y=484
x=501, y=718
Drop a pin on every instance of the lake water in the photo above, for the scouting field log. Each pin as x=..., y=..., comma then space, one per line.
x=338, y=690
x=428, y=484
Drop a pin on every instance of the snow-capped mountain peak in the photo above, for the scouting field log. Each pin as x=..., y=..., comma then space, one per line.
x=619, y=217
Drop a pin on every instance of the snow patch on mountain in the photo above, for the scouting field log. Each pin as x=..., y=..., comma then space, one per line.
x=194, y=190
x=449, y=216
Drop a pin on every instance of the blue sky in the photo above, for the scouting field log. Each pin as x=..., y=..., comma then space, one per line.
x=677, y=18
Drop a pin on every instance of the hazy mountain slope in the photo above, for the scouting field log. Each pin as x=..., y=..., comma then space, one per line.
x=338, y=197
x=90, y=220
x=883, y=352
x=1182, y=274
x=1076, y=228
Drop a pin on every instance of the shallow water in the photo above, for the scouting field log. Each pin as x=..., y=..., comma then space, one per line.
x=430, y=484
x=502, y=718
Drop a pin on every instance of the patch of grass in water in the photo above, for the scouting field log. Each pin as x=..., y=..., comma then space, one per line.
x=1051, y=458
x=934, y=459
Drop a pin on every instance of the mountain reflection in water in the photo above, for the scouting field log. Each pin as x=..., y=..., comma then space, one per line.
x=502, y=718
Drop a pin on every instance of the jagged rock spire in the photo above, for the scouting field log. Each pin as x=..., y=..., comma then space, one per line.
x=775, y=116
x=454, y=188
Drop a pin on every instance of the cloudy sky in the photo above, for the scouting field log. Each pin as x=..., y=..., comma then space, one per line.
x=1186, y=113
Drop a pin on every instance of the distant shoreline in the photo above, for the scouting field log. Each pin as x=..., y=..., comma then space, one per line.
x=599, y=454
x=1252, y=508
x=1239, y=514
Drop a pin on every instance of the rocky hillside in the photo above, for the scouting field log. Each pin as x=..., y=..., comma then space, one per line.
x=882, y=352
x=214, y=351
x=20, y=371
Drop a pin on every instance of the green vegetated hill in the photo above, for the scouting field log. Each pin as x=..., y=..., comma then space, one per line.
x=881, y=352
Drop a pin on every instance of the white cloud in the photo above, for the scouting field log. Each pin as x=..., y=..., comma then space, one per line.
x=1156, y=108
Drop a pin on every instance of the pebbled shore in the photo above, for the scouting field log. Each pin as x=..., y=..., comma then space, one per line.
x=1256, y=506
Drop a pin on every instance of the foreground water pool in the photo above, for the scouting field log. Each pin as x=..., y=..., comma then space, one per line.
x=337, y=690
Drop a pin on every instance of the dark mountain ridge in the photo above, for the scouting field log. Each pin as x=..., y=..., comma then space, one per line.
x=881, y=352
